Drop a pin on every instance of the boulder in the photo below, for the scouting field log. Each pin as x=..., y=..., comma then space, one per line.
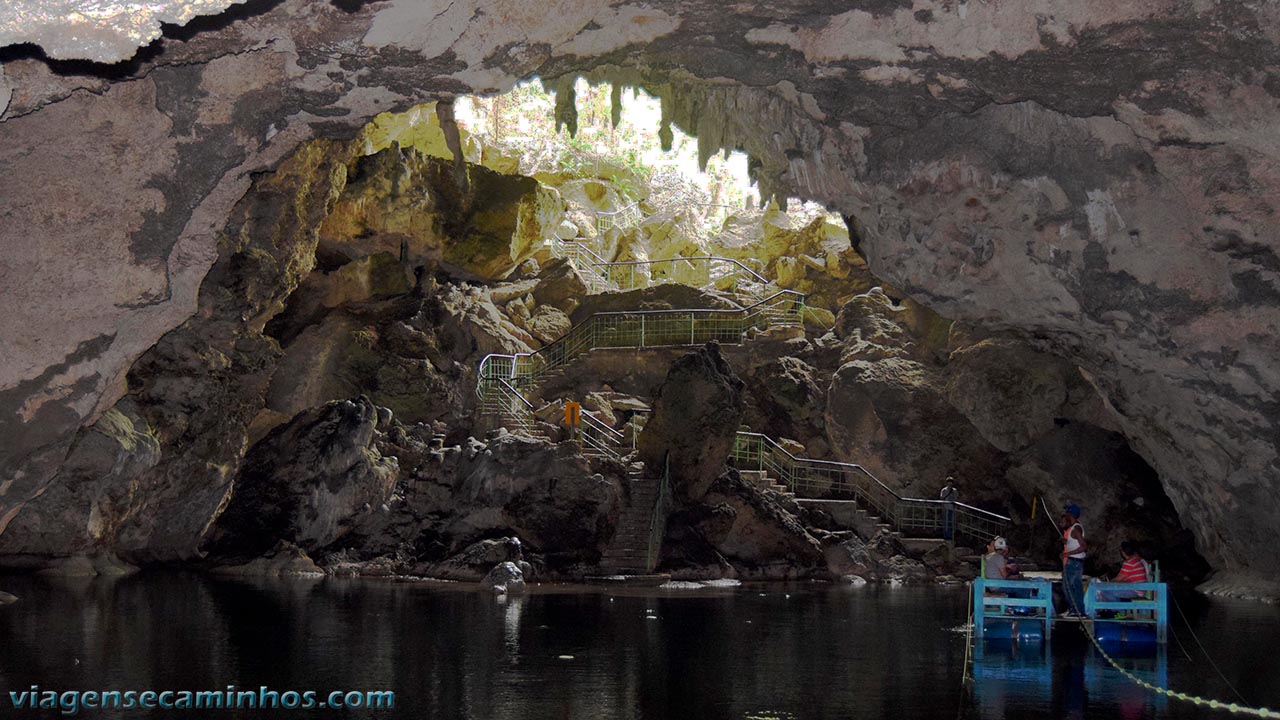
x=868, y=325
x=696, y=414
x=882, y=558
x=560, y=286
x=736, y=530
x=891, y=416
x=785, y=399
x=475, y=560
x=504, y=578
x=548, y=324
x=284, y=559
x=462, y=508
x=759, y=529
x=307, y=482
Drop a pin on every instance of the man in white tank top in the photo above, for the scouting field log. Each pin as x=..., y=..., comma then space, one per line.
x=1074, y=551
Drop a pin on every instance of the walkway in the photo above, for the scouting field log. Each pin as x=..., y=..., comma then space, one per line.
x=826, y=481
x=503, y=380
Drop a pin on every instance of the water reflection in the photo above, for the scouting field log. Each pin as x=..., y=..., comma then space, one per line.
x=1071, y=678
x=811, y=651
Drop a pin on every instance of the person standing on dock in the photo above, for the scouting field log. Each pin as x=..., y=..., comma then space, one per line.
x=949, y=495
x=1074, y=552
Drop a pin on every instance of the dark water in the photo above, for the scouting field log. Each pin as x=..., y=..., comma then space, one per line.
x=800, y=651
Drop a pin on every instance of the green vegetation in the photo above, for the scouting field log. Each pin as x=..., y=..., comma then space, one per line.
x=617, y=141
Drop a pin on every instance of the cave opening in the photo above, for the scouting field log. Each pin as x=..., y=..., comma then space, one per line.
x=467, y=338
x=500, y=225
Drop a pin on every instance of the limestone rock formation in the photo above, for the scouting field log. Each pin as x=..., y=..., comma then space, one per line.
x=658, y=297
x=785, y=399
x=1010, y=423
x=696, y=413
x=1097, y=180
x=307, y=483
x=285, y=559
x=750, y=529
x=476, y=560
x=413, y=206
x=1010, y=392
x=880, y=558
x=892, y=417
x=504, y=578
x=196, y=391
x=457, y=509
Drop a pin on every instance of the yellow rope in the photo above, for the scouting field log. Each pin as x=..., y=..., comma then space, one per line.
x=968, y=642
x=1236, y=708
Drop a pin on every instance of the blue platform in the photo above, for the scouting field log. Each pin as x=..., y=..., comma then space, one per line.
x=1146, y=618
x=1022, y=611
x=1012, y=609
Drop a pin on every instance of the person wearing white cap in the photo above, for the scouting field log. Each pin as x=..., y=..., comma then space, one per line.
x=996, y=565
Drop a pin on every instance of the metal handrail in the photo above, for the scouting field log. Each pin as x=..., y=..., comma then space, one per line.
x=697, y=271
x=833, y=463
x=500, y=401
x=589, y=418
x=622, y=217
x=563, y=341
x=901, y=513
x=516, y=393
x=599, y=437
x=892, y=506
x=615, y=329
x=754, y=275
x=582, y=247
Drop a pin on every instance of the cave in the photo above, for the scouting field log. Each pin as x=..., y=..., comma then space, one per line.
x=282, y=300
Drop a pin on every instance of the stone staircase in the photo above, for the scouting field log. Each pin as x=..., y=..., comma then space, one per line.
x=847, y=512
x=628, y=551
x=851, y=514
x=761, y=479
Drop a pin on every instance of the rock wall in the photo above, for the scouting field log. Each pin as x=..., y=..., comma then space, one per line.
x=292, y=315
x=1098, y=178
x=696, y=413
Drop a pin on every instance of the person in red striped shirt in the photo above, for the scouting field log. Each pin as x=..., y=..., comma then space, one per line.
x=1134, y=570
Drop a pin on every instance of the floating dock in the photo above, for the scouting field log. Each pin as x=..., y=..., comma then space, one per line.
x=1115, y=613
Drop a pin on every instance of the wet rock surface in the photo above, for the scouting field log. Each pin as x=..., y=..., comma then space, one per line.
x=744, y=531
x=504, y=578
x=307, y=482
x=457, y=509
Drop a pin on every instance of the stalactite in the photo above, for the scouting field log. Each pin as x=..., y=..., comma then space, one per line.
x=567, y=105
x=665, y=136
x=615, y=108
x=453, y=138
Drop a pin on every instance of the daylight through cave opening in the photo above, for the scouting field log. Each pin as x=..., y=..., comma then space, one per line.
x=443, y=275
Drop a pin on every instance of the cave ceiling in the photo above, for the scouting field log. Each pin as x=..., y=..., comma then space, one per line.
x=1101, y=178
